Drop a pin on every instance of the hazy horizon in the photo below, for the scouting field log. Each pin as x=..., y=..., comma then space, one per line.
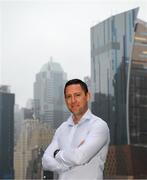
x=33, y=31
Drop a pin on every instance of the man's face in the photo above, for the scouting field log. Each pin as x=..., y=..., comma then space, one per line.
x=76, y=99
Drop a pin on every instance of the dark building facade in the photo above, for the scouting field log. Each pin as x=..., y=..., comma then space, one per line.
x=119, y=75
x=137, y=90
x=6, y=133
x=126, y=162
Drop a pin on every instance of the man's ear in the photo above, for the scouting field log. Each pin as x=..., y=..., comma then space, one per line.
x=88, y=96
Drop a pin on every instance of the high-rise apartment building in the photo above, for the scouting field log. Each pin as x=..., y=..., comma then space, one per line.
x=48, y=94
x=6, y=133
x=34, y=138
x=119, y=75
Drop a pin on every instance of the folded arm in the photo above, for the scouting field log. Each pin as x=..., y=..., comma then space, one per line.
x=87, y=149
x=48, y=160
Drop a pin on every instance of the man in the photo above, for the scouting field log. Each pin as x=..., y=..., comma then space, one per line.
x=79, y=147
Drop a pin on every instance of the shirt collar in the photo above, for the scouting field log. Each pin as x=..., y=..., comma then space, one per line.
x=85, y=117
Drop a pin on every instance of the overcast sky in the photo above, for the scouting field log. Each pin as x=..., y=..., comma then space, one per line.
x=31, y=31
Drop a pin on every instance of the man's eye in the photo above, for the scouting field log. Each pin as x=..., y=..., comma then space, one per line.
x=78, y=94
x=67, y=97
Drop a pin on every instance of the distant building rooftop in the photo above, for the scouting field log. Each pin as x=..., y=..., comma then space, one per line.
x=5, y=88
x=51, y=66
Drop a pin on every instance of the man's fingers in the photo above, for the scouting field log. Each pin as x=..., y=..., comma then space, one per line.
x=81, y=143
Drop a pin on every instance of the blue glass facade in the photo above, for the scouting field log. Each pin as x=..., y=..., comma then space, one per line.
x=111, y=55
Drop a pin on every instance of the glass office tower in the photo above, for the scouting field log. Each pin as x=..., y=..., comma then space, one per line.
x=6, y=133
x=137, y=87
x=118, y=75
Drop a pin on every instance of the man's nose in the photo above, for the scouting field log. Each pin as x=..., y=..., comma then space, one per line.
x=73, y=99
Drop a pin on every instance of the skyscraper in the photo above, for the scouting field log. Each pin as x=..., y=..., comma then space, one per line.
x=137, y=87
x=6, y=133
x=48, y=94
x=118, y=76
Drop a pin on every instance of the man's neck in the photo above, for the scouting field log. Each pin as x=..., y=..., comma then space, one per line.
x=77, y=117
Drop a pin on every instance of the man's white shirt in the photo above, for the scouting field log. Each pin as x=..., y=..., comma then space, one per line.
x=83, y=149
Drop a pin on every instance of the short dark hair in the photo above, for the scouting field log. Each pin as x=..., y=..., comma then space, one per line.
x=76, y=81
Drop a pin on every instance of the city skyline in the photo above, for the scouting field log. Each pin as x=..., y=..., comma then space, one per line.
x=33, y=31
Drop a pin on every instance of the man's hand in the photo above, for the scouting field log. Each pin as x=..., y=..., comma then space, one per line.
x=81, y=143
x=55, y=153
